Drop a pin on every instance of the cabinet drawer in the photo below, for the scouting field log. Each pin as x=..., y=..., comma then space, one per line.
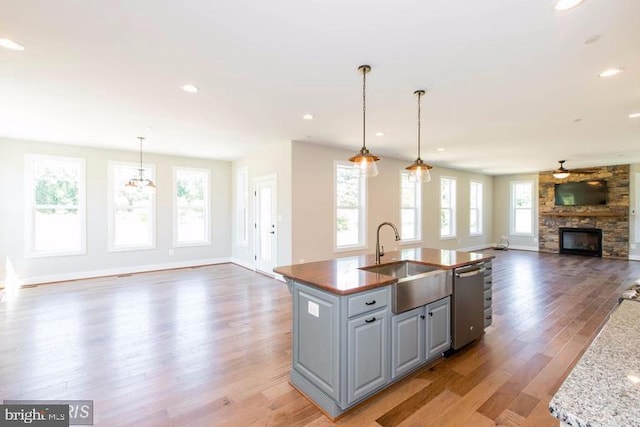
x=488, y=266
x=488, y=317
x=487, y=298
x=361, y=303
x=488, y=282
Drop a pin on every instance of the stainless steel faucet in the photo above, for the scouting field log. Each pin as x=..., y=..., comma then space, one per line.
x=380, y=252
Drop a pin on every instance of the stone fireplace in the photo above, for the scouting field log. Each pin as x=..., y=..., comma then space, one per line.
x=612, y=219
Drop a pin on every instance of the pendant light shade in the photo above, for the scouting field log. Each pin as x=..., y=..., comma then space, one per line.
x=365, y=162
x=419, y=170
x=139, y=182
x=561, y=172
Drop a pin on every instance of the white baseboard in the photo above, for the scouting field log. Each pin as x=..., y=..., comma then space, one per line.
x=243, y=263
x=524, y=248
x=32, y=280
x=634, y=257
x=476, y=247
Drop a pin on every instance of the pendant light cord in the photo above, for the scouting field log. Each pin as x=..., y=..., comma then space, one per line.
x=364, y=107
x=140, y=138
x=419, y=115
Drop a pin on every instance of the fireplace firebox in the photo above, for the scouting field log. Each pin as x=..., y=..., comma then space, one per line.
x=581, y=241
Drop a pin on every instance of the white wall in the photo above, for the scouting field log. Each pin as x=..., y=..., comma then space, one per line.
x=271, y=159
x=312, y=209
x=97, y=260
x=634, y=214
x=502, y=211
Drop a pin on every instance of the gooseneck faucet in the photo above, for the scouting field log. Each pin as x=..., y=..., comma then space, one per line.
x=380, y=252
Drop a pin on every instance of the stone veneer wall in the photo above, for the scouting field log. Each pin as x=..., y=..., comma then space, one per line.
x=612, y=218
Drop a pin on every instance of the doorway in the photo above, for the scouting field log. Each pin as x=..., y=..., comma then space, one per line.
x=265, y=237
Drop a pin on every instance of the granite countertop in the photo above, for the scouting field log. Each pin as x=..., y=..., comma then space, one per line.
x=343, y=275
x=603, y=389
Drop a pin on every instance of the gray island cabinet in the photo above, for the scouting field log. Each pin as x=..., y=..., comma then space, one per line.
x=347, y=343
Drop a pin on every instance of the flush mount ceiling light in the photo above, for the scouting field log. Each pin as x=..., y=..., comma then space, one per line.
x=611, y=72
x=364, y=161
x=419, y=170
x=379, y=133
x=634, y=115
x=139, y=182
x=10, y=44
x=190, y=88
x=561, y=172
x=562, y=5
x=308, y=117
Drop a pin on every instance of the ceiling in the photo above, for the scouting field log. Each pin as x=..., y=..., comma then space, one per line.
x=512, y=85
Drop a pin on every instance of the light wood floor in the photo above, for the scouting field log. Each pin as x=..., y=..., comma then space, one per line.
x=211, y=346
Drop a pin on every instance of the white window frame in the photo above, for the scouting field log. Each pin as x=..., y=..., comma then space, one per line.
x=242, y=206
x=513, y=208
x=207, y=208
x=478, y=208
x=111, y=246
x=417, y=210
x=453, y=198
x=30, y=207
x=362, y=211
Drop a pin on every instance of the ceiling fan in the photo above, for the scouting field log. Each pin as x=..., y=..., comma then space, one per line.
x=562, y=172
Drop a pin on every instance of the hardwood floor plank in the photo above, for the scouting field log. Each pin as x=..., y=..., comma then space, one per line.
x=211, y=346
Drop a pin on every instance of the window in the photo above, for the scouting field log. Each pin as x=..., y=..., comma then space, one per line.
x=475, y=208
x=132, y=212
x=242, y=206
x=191, y=207
x=522, y=208
x=447, y=207
x=350, y=199
x=55, y=206
x=410, y=208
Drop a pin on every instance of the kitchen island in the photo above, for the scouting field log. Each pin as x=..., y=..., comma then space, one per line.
x=352, y=336
x=603, y=389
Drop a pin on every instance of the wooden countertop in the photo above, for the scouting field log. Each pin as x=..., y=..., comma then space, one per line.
x=343, y=276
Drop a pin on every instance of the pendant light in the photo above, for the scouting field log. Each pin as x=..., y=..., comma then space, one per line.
x=139, y=182
x=365, y=162
x=561, y=172
x=419, y=170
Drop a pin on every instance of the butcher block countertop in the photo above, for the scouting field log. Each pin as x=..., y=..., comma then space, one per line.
x=343, y=276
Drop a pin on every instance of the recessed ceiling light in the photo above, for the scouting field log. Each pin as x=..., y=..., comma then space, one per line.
x=189, y=88
x=562, y=5
x=10, y=44
x=379, y=133
x=308, y=117
x=440, y=149
x=611, y=72
x=634, y=115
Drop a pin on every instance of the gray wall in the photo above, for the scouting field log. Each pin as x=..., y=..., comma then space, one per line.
x=501, y=209
x=97, y=261
x=312, y=209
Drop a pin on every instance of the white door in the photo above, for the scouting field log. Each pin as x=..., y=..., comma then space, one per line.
x=266, y=251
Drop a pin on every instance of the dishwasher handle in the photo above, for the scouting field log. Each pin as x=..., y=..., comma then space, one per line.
x=470, y=273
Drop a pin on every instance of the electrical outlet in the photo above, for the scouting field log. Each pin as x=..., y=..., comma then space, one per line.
x=301, y=260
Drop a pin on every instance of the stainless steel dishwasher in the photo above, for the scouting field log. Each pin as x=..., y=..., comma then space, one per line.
x=467, y=314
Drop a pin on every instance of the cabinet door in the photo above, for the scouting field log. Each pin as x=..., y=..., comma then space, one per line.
x=367, y=354
x=438, y=327
x=315, y=340
x=407, y=341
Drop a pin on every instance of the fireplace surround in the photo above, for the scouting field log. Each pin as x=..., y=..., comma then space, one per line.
x=580, y=241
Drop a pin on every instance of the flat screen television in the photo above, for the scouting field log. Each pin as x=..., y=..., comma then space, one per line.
x=582, y=193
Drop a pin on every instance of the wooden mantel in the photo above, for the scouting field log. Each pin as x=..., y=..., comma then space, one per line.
x=586, y=214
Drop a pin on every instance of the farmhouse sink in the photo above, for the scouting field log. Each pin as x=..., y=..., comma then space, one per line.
x=417, y=285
